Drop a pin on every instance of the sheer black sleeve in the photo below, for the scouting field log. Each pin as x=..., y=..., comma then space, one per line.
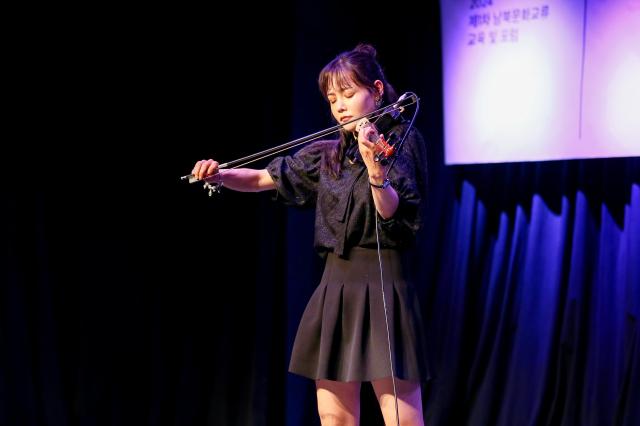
x=296, y=176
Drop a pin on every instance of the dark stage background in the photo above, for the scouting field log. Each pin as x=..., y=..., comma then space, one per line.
x=130, y=298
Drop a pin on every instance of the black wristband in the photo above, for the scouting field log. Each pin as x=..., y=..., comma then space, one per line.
x=385, y=183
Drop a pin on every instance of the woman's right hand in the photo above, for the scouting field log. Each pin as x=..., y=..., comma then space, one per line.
x=204, y=169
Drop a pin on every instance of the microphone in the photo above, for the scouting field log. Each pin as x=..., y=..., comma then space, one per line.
x=396, y=109
x=402, y=97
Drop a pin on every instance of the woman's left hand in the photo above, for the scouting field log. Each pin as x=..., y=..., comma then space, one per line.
x=367, y=149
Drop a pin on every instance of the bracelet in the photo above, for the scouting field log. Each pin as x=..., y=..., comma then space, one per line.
x=386, y=182
x=214, y=186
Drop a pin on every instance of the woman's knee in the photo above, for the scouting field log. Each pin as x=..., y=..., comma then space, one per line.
x=328, y=418
x=338, y=402
x=409, y=401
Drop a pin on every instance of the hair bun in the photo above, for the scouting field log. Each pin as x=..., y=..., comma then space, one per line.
x=366, y=49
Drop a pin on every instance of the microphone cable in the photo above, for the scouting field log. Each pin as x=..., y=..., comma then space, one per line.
x=386, y=321
x=384, y=299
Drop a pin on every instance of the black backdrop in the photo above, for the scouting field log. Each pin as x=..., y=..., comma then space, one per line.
x=131, y=298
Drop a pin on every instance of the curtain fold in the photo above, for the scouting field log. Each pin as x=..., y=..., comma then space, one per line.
x=536, y=307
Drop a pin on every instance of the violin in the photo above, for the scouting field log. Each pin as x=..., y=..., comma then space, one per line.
x=382, y=145
x=387, y=146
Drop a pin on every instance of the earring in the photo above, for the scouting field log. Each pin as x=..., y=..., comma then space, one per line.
x=378, y=101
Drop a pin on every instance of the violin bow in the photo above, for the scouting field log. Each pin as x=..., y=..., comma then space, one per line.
x=403, y=101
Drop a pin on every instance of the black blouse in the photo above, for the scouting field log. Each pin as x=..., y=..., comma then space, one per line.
x=345, y=211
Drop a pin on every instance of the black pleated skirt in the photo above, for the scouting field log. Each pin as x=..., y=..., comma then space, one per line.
x=343, y=335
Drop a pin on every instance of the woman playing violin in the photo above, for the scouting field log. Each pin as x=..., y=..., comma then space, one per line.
x=363, y=323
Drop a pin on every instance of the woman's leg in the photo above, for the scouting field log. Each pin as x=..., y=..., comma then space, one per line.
x=338, y=403
x=409, y=401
